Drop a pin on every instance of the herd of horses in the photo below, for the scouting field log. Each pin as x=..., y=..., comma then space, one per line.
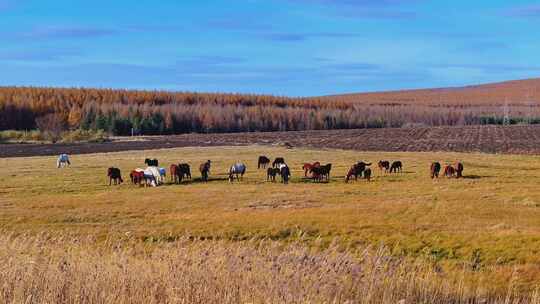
x=154, y=175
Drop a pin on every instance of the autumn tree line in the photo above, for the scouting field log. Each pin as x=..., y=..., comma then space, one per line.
x=123, y=112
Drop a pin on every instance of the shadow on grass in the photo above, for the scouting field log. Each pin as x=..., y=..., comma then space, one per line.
x=476, y=176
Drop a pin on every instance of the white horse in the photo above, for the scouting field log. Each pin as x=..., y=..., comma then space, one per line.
x=63, y=160
x=153, y=176
x=238, y=169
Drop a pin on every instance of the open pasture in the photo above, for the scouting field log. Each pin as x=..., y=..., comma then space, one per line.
x=486, y=223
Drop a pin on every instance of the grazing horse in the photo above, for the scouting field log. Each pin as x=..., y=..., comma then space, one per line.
x=263, y=162
x=285, y=173
x=307, y=167
x=357, y=170
x=153, y=177
x=449, y=171
x=278, y=161
x=396, y=167
x=115, y=175
x=184, y=171
x=459, y=170
x=238, y=169
x=174, y=170
x=435, y=169
x=384, y=164
x=63, y=160
x=137, y=177
x=151, y=162
x=367, y=174
x=205, y=170
x=321, y=173
x=271, y=174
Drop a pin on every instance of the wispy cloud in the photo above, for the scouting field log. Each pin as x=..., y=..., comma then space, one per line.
x=295, y=37
x=42, y=55
x=531, y=11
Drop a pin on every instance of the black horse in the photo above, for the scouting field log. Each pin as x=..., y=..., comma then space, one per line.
x=271, y=174
x=396, y=167
x=184, y=171
x=285, y=174
x=435, y=169
x=151, y=162
x=278, y=161
x=115, y=175
x=263, y=162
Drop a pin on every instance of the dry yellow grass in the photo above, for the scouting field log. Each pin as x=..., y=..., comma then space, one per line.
x=484, y=229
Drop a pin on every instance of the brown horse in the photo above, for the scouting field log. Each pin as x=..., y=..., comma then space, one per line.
x=174, y=173
x=263, y=162
x=384, y=164
x=357, y=170
x=307, y=167
x=449, y=171
x=396, y=167
x=137, y=177
x=115, y=175
x=205, y=170
x=184, y=170
x=459, y=170
x=321, y=173
x=435, y=169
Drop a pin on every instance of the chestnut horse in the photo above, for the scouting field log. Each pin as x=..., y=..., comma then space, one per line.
x=307, y=167
x=174, y=170
x=137, y=177
x=449, y=171
x=435, y=169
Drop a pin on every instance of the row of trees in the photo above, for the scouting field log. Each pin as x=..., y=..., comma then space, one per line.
x=143, y=112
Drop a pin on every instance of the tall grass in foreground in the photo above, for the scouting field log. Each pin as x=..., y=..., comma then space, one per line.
x=64, y=270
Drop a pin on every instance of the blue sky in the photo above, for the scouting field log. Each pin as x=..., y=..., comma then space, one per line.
x=294, y=47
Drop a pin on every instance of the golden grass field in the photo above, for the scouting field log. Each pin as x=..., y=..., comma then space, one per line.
x=480, y=233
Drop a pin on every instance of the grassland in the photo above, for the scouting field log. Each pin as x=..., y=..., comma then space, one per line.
x=483, y=230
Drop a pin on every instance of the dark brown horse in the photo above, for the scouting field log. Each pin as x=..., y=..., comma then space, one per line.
x=396, y=167
x=384, y=165
x=307, y=167
x=184, y=171
x=435, y=169
x=205, y=170
x=321, y=173
x=357, y=170
x=367, y=174
x=115, y=175
x=459, y=170
x=271, y=174
x=278, y=161
x=449, y=171
x=263, y=162
x=151, y=162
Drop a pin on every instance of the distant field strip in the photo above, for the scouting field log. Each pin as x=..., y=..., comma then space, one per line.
x=487, y=139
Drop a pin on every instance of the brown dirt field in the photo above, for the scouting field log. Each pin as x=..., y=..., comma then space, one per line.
x=487, y=139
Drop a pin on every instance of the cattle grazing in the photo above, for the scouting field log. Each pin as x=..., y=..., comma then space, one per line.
x=307, y=167
x=396, y=167
x=459, y=170
x=63, y=161
x=278, y=161
x=271, y=174
x=238, y=170
x=263, y=162
x=449, y=171
x=115, y=175
x=384, y=165
x=435, y=169
x=285, y=174
x=367, y=174
x=205, y=170
x=151, y=162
